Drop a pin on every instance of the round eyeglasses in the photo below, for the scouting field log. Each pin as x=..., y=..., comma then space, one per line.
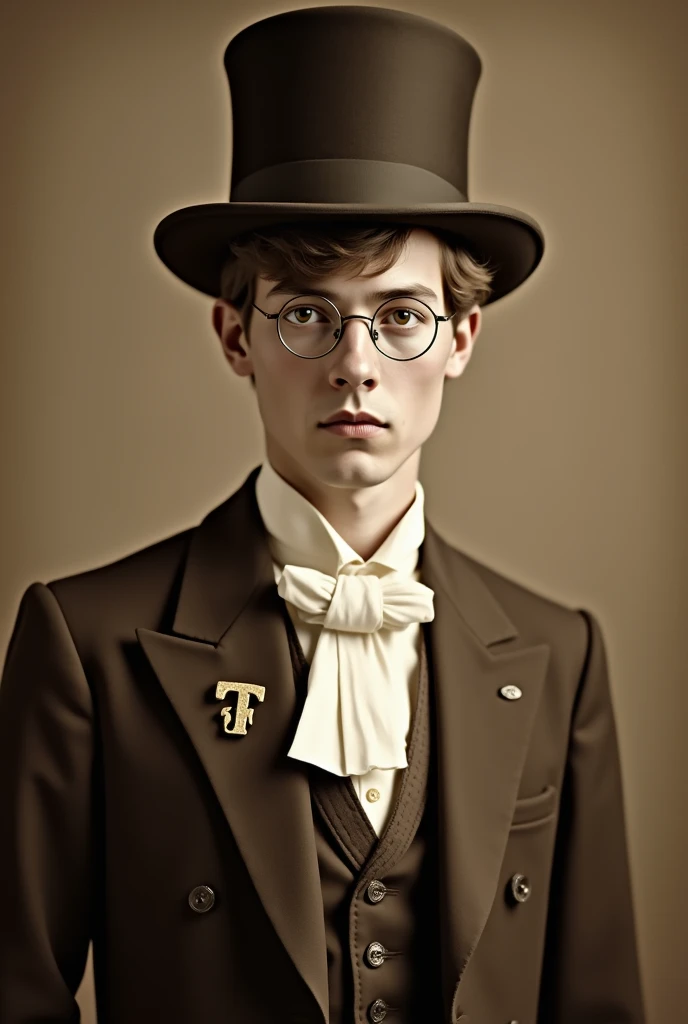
x=310, y=326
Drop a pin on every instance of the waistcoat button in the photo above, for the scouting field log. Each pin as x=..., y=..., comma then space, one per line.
x=520, y=887
x=377, y=1011
x=377, y=891
x=375, y=954
x=201, y=898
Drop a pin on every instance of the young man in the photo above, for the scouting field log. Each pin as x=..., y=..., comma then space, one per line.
x=306, y=761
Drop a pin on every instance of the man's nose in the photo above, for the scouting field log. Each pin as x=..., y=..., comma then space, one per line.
x=355, y=358
x=359, y=322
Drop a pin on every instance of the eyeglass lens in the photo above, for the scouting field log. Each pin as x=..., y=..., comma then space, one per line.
x=310, y=326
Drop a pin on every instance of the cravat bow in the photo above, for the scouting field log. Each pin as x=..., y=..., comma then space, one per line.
x=352, y=719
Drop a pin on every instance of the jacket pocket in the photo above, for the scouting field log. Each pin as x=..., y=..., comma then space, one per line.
x=532, y=810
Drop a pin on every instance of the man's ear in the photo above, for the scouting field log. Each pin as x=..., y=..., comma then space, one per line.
x=228, y=323
x=465, y=335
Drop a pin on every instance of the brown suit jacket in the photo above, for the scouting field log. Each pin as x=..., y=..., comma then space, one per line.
x=120, y=794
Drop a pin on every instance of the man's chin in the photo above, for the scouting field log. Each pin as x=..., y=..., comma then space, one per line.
x=349, y=468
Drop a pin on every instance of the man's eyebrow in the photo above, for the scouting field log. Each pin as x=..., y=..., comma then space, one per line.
x=414, y=290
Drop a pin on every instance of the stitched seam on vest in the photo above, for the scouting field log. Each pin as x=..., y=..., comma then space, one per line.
x=354, y=824
x=353, y=947
x=347, y=841
x=402, y=827
x=346, y=805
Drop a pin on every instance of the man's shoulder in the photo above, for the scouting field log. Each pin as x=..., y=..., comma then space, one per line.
x=538, y=616
x=135, y=565
x=136, y=586
x=156, y=564
x=141, y=587
x=512, y=590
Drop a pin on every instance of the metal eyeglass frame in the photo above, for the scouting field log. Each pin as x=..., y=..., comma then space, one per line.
x=339, y=332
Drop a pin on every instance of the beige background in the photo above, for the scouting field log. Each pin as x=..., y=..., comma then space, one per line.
x=560, y=457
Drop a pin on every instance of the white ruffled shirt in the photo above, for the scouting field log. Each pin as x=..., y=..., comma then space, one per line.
x=298, y=534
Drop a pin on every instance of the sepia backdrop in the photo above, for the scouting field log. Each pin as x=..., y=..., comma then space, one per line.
x=560, y=455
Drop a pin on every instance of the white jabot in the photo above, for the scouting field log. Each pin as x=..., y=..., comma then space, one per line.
x=353, y=718
x=362, y=622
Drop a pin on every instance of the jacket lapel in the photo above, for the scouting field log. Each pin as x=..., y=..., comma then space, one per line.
x=482, y=738
x=229, y=626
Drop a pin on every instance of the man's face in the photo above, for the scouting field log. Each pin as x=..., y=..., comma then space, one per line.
x=296, y=395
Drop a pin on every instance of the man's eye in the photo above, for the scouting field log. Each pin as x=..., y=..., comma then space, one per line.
x=403, y=317
x=302, y=314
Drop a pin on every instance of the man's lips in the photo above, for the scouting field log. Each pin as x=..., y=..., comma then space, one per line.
x=355, y=430
x=345, y=416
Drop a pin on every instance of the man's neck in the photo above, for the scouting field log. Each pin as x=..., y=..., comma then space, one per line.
x=363, y=516
x=364, y=528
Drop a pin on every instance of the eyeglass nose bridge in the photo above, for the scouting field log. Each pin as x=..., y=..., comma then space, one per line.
x=339, y=331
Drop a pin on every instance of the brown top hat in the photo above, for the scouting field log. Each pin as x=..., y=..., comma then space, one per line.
x=350, y=114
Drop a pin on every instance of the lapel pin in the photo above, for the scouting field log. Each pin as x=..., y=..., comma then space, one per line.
x=511, y=692
x=244, y=713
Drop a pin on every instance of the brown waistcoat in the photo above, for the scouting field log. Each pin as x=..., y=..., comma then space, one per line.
x=380, y=890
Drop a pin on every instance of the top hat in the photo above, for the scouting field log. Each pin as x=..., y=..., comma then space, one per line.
x=343, y=114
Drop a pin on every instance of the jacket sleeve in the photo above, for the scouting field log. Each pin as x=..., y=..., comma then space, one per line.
x=591, y=970
x=46, y=748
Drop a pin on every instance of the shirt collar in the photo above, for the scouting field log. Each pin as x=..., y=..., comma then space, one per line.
x=298, y=534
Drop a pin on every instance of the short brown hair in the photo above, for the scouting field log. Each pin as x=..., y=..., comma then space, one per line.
x=294, y=253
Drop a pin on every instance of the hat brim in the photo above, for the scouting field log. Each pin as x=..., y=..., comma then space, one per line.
x=192, y=242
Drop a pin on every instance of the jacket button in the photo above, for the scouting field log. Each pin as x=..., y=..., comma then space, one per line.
x=377, y=1011
x=201, y=898
x=375, y=954
x=376, y=891
x=511, y=692
x=520, y=887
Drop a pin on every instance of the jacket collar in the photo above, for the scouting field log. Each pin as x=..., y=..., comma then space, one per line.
x=229, y=625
